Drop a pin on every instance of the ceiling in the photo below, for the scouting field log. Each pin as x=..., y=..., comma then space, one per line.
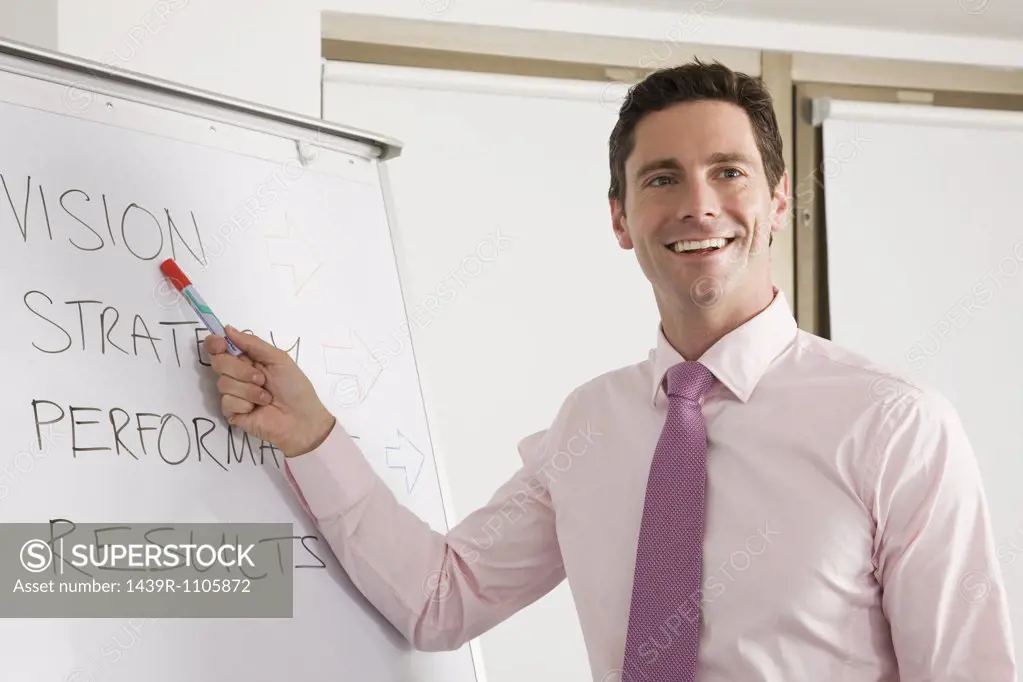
x=987, y=18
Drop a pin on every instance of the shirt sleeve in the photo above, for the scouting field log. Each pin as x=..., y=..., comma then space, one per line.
x=942, y=588
x=439, y=590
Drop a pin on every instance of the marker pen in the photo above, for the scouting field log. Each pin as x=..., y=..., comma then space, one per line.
x=172, y=272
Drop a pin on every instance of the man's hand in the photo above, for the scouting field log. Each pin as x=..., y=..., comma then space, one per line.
x=265, y=393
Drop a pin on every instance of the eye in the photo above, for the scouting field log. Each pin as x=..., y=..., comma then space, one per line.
x=729, y=171
x=655, y=181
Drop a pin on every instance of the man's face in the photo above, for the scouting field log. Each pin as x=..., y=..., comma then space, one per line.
x=695, y=174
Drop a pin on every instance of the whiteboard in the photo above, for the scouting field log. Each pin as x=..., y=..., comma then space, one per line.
x=925, y=251
x=282, y=224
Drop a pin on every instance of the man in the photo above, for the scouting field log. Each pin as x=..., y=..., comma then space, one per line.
x=749, y=503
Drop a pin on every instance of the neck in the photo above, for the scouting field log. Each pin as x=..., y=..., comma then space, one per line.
x=692, y=329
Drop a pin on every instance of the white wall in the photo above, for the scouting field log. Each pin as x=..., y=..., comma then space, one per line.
x=268, y=51
x=29, y=21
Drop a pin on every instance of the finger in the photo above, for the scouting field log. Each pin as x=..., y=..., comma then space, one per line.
x=232, y=405
x=240, y=368
x=217, y=345
x=256, y=348
x=244, y=390
x=214, y=344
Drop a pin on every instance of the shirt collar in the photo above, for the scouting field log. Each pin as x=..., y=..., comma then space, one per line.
x=741, y=357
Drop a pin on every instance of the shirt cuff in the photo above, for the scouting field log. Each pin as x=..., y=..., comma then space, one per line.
x=332, y=478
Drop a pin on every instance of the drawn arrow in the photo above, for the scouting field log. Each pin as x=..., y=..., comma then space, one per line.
x=355, y=370
x=294, y=253
x=406, y=456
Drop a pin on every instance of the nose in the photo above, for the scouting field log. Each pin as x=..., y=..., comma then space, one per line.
x=699, y=201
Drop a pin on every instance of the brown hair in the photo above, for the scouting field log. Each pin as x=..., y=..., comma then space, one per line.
x=688, y=83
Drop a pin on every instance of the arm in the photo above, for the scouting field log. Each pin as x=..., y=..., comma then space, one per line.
x=438, y=590
x=934, y=550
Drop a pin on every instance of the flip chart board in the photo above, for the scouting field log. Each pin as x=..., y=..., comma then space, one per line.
x=109, y=408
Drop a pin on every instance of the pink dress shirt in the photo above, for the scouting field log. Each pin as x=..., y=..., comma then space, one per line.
x=847, y=531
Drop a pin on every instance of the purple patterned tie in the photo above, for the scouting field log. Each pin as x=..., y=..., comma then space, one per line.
x=664, y=617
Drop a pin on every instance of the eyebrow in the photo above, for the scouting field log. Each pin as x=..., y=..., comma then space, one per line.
x=658, y=164
x=730, y=157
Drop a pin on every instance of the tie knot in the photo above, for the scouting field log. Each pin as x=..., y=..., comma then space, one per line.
x=689, y=380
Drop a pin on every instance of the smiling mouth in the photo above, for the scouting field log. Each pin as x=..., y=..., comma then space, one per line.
x=699, y=246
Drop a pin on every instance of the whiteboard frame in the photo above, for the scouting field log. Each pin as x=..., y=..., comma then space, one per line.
x=91, y=76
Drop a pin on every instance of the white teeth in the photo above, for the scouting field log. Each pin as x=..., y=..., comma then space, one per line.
x=694, y=245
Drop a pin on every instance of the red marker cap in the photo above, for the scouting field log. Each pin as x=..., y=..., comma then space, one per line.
x=172, y=272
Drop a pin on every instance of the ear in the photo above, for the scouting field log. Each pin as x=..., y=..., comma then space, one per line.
x=619, y=224
x=780, y=202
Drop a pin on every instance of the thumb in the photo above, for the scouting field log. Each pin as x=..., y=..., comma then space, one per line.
x=256, y=348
